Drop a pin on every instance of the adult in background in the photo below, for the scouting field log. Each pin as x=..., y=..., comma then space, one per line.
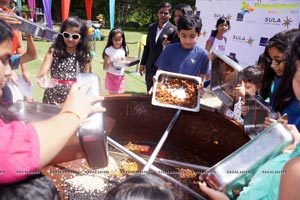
x=181, y=9
x=154, y=47
x=14, y=8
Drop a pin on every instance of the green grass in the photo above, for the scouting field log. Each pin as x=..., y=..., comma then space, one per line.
x=134, y=84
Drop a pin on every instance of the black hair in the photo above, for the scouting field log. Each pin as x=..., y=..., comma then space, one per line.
x=83, y=55
x=109, y=43
x=253, y=74
x=141, y=187
x=285, y=93
x=260, y=61
x=6, y=32
x=189, y=22
x=164, y=5
x=186, y=9
x=221, y=20
x=233, y=58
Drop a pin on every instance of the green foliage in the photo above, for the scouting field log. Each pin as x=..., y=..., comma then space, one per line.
x=25, y=9
x=141, y=11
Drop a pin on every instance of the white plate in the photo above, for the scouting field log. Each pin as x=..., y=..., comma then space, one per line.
x=126, y=62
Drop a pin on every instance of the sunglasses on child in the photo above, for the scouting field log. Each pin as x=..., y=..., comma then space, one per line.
x=67, y=35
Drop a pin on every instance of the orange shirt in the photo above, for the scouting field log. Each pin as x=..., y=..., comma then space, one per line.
x=16, y=39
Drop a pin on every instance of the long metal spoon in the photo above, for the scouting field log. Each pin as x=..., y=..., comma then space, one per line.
x=155, y=169
x=161, y=142
x=172, y=163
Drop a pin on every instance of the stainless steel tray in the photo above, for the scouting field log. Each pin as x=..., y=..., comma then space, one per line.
x=210, y=102
x=127, y=62
x=178, y=91
x=34, y=29
x=91, y=135
x=31, y=112
x=255, y=117
x=235, y=171
x=225, y=76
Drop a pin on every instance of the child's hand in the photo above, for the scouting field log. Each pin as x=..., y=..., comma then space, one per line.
x=41, y=81
x=245, y=109
x=26, y=76
x=211, y=193
x=150, y=91
x=28, y=99
x=154, y=79
x=14, y=77
x=211, y=56
x=269, y=121
x=283, y=119
x=9, y=19
x=296, y=135
x=200, y=87
x=251, y=89
x=239, y=91
x=44, y=83
x=108, y=64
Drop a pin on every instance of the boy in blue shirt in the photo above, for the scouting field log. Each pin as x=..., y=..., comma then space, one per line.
x=185, y=57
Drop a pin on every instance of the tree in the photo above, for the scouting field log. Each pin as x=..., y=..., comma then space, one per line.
x=141, y=11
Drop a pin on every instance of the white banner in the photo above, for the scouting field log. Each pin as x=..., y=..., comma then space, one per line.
x=252, y=22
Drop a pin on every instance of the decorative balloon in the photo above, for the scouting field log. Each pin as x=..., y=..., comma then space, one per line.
x=91, y=31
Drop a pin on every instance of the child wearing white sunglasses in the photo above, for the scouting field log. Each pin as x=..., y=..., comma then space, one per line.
x=68, y=55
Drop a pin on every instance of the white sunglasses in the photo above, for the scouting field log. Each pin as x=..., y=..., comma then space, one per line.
x=67, y=35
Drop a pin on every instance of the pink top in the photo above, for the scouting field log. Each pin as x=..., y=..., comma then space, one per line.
x=19, y=151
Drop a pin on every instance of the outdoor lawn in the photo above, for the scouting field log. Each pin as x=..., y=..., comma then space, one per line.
x=135, y=84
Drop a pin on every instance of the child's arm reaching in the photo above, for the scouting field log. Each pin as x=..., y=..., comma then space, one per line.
x=48, y=59
x=45, y=67
x=31, y=52
x=106, y=62
x=87, y=68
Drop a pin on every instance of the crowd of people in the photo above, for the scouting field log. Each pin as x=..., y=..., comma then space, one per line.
x=30, y=147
